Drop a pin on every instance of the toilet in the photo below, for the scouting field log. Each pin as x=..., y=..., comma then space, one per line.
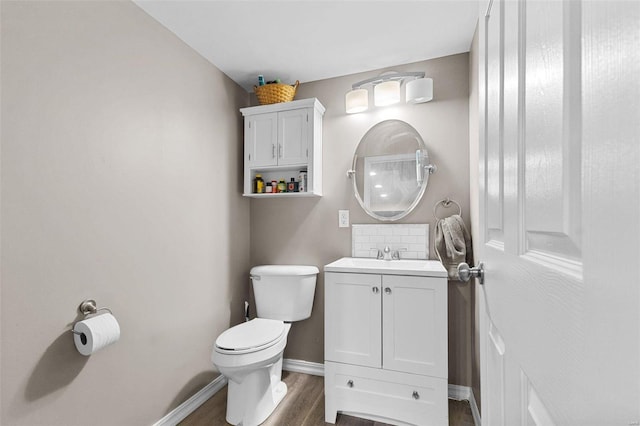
x=249, y=355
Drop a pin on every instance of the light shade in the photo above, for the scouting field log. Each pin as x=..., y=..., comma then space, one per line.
x=419, y=90
x=386, y=93
x=356, y=101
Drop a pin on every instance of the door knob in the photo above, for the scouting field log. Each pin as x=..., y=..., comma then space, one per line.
x=465, y=272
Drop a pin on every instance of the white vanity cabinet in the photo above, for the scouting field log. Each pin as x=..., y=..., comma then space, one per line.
x=282, y=139
x=386, y=342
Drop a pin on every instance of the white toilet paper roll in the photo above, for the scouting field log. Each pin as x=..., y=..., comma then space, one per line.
x=95, y=333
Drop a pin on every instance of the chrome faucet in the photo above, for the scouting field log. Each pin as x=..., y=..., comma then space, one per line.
x=382, y=254
x=395, y=255
x=387, y=253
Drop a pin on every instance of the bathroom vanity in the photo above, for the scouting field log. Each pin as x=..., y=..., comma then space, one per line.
x=386, y=340
x=280, y=141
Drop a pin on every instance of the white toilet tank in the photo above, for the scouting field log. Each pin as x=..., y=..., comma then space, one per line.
x=284, y=292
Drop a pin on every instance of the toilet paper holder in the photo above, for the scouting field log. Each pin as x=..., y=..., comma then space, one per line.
x=88, y=307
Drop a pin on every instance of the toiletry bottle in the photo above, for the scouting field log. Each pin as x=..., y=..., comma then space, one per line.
x=260, y=80
x=293, y=186
x=259, y=184
x=274, y=186
x=302, y=177
x=268, y=188
x=282, y=187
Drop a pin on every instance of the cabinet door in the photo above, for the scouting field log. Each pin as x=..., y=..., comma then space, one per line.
x=293, y=137
x=261, y=135
x=352, y=320
x=415, y=325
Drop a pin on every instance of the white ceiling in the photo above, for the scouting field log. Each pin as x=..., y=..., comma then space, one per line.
x=310, y=40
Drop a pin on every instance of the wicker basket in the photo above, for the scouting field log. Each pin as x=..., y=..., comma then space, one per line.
x=275, y=93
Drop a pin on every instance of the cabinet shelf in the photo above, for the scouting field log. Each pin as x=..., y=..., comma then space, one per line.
x=284, y=195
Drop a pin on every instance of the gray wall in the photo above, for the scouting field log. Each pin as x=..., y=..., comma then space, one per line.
x=306, y=230
x=121, y=168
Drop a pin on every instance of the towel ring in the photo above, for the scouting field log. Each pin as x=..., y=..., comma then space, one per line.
x=446, y=203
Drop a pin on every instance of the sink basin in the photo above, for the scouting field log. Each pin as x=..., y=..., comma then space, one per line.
x=428, y=268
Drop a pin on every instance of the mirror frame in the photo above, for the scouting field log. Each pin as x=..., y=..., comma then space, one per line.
x=427, y=169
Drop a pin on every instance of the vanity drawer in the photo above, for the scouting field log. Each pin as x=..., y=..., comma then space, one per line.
x=388, y=396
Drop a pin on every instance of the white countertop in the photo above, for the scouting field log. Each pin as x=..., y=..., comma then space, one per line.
x=424, y=268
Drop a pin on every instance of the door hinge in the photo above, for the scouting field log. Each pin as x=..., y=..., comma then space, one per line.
x=249, y=157
x=307, y=152
x=307, y=117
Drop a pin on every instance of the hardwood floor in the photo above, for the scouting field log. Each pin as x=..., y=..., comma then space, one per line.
x=304, y=406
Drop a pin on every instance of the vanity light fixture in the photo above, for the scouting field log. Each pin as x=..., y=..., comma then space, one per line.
x=419, y=90
x=386, y=90
x=356, y=101
x=386, y=93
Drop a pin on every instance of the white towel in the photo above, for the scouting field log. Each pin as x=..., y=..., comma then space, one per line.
x=453, y=244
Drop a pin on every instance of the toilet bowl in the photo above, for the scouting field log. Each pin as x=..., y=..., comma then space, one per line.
x=250, y=354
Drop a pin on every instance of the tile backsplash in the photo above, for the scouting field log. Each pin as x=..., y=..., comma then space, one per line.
x=412, y=240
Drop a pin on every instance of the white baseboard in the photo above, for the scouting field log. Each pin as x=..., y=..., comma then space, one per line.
x=465, y=393
x=459, y=393
x=190, y=405
x=474, y=410
x=306, y=367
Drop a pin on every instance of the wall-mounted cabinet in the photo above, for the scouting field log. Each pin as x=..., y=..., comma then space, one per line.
x=280, y=141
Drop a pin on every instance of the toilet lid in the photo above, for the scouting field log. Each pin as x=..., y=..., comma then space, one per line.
x=251, y=334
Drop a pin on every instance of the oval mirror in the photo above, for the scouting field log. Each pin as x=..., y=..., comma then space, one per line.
x=390, y=170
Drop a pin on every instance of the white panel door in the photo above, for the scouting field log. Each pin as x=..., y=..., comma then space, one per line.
x=414, y=327
x=293, y=137
x=352, y=320
x=261, y=139
x=559, y=233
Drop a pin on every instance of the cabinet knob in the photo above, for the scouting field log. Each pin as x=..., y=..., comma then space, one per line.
x=375, y=290
x=350, y=383
x=416, y=395
x=387, y=290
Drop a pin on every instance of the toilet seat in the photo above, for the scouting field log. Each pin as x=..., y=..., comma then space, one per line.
x=251, y=336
